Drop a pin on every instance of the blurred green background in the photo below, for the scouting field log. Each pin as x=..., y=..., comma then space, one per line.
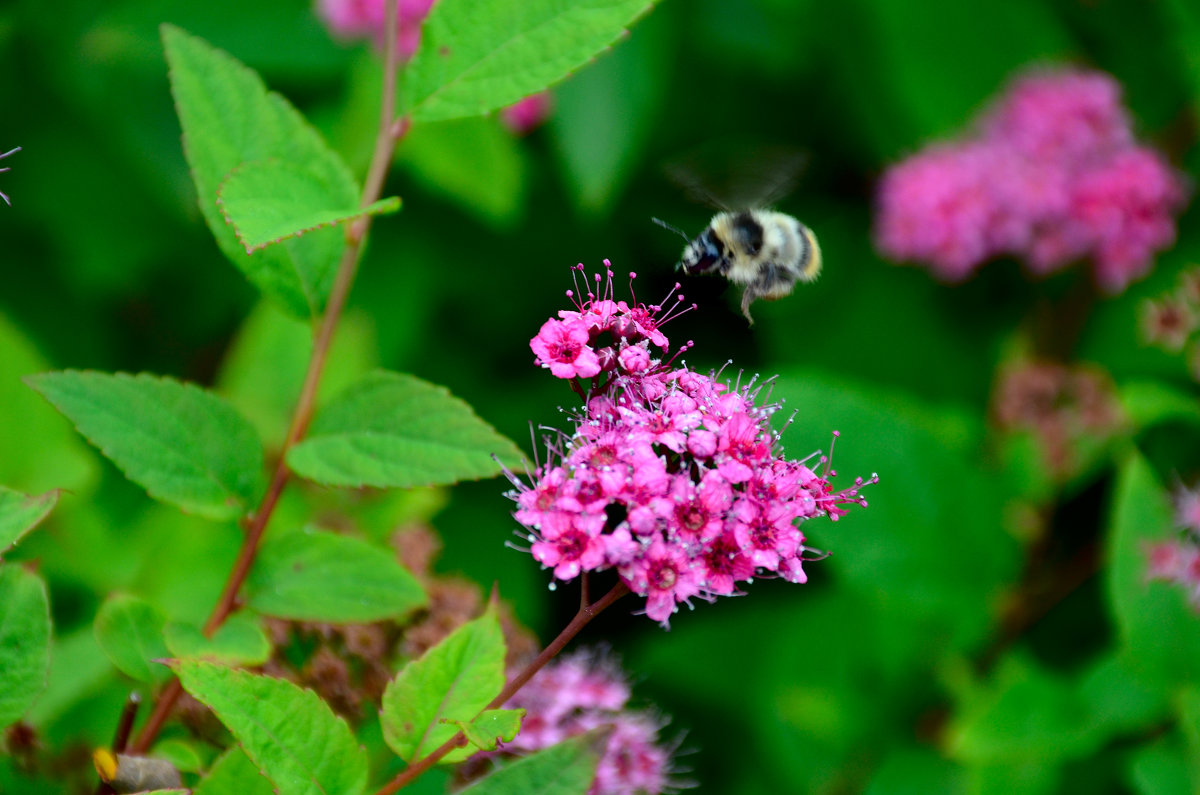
x=899, y=668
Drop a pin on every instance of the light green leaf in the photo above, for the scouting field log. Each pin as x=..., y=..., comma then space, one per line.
x=564, y=769
x=1148, y=403
x=229, y=118
x=239, y=641
x=269, y=201
x=234, y=774
x=184, y=445
x=1159, y=631
x=289, y=733
x=20, y=513
x=24, y=641
x=314, y=575
x=454, y=680
x=393, y=430
x=486, y=732
x=130, y=631
x=477, y=56
x=474, y=162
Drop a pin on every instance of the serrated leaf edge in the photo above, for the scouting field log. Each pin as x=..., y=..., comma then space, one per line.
x=233, y=501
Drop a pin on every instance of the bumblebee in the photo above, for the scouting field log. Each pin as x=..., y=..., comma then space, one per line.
x=764, y=251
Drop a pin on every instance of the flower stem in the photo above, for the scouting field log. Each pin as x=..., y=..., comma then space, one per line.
x=582, y=618
x=391, y=130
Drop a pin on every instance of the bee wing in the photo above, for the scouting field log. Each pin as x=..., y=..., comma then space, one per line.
x=737, y=174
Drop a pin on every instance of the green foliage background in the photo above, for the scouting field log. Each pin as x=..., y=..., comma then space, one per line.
x=893, y=670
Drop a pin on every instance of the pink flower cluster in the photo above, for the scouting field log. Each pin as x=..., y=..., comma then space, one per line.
x=357, y=19
x=1179, y=561
x=584, y=691
x=1052, y=175
x=671, y=477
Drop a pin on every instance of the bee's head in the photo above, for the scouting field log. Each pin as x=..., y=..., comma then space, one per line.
x=702, y=255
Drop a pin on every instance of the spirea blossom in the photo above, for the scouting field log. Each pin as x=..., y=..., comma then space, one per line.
x=1172, y=320
x=1052, y=175
x=1178, y=561
x=584, y=691
x=356, y=19
x=673, y=478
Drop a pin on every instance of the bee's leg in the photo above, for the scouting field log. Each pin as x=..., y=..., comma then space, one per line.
x=749, y=296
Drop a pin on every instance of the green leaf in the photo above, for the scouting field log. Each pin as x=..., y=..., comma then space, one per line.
x=20, y=513
x=289, y=733
x=184, y=445
x=1159, y=631
x=475, y=163
x=564, y=769
x=1148, y=403
x=1025, y=715
x=229, y=118
x=454, y=680
x=234, y=774
x=239, y=641
x=394, y=430
x=486, y=732
x=130, y=631
x=24, y=641
x=313, y=575
x=477, y=56
x=269, y=201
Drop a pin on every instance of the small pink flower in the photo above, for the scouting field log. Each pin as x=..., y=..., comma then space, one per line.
x=725, y=564
x=664, y=576
x=573, y=547
x=1187, y=509
x=562, y=347
x=365, y=19
x=528, y=114
x=634, y=359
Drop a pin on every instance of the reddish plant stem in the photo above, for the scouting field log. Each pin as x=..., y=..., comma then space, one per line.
x=391, y=130
x=582, y=618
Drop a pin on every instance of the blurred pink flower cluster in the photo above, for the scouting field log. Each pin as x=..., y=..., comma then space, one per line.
x=673, y=478
x=1178, y=561
x=1051, y=175
x=357, y=19
x=586, y=691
